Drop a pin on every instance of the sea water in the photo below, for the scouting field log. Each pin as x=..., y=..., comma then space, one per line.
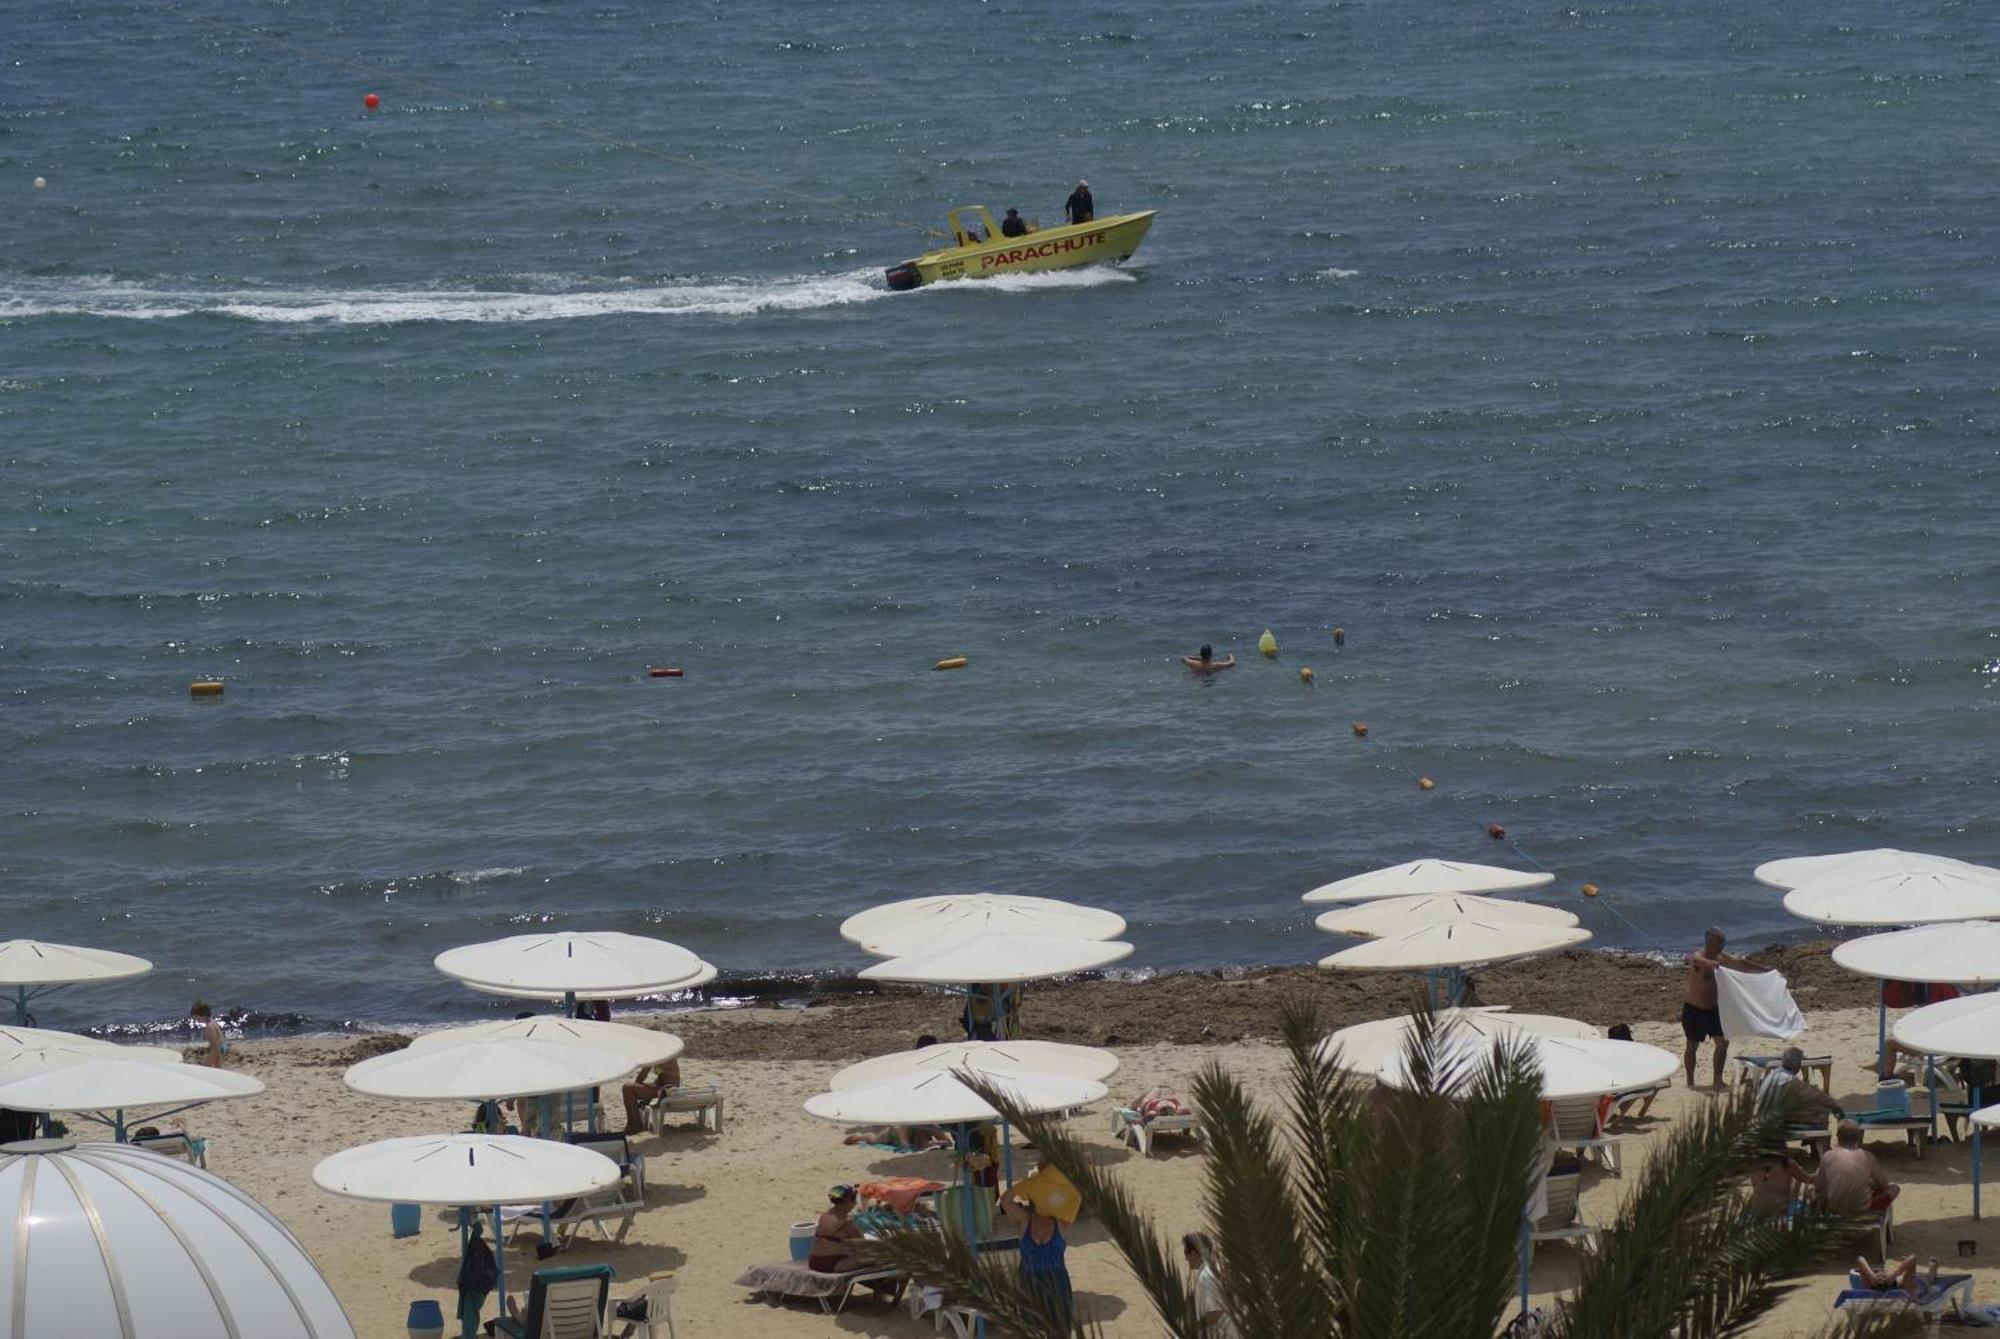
x=1619, y=378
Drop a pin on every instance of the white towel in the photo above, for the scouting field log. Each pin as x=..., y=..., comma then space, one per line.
x=1756, y=1004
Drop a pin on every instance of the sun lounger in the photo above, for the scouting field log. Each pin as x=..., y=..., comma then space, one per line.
x=1915, y=1128
x=1950, y=1294
x=1561, y=1222
x=1754, y=1067
x=621, y=1200
x=705, y=1102
x=791, y=1279
x=1139, y=1131
x=175, y=1145
x=566, y=1303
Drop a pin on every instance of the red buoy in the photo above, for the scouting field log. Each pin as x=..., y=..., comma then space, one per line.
x=371, y=102
x=1495, y=831
x=664, y=672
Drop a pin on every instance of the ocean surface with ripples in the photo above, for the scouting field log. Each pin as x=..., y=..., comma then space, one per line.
x=1619, y=378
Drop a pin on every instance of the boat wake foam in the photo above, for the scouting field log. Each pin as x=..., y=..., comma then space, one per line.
x=1090, y=276
x=30, y=297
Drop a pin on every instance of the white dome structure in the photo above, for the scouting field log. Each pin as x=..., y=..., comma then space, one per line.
x=108, y=1241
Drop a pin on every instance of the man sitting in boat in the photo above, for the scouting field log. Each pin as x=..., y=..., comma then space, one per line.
x=1013, y=225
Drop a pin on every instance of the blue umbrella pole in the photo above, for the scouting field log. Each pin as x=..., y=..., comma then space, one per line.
x=1527, y=1257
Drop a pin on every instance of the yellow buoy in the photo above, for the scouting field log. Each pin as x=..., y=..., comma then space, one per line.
x=950, y=662
x=205, y=688
x=1305, y=674
x=1267, y=644
x=1425, y=783
x=1361, y=729
x=1590, y=890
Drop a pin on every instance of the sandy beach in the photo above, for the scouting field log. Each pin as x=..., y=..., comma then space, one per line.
x=718, y=1203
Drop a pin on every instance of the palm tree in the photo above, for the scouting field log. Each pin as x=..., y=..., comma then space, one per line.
x=1402, y=1218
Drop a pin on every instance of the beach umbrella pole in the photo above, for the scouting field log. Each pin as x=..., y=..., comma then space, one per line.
x=20, y=1006
x=1527, y=1256
x=1975, y=1157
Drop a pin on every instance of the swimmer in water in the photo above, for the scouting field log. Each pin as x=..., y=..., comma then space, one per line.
x=1206, y=663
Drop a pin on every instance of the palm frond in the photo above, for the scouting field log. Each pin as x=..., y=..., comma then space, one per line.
x=945, y=1261
x=1255, y=1215
x=1684, y=1253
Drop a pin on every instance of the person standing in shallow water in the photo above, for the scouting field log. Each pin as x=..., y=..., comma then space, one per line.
x=1080, y=208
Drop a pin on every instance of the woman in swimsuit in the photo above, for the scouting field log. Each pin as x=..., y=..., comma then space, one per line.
x=1044, y=1275
x=836, y=1244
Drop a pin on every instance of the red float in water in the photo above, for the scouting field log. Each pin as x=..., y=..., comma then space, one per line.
x=371, y=102
x=1495, y=831
x=664, y=672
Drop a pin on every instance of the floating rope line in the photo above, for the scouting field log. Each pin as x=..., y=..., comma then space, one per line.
x=547, y=121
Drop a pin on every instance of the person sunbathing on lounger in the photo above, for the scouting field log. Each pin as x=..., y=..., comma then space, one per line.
x=1897, y=1276
x=837, y=1244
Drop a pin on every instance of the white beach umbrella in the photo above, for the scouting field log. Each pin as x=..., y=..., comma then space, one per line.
x=1455, y=944
x=1853, y=895
x=29, y=967
x=1796, y=871
x=701, y=978
x=1957, y=953
x=1968, y=1027
x=919, y=925
x=20, y=1061
x=1363, y=1047
x=1570, y=1066
x=995, y=1059
x=100, y=1081
x=114, y=1242
x=17, y=1039
x=999, y=959
x=606, y=964
x=484, y=1069
x=1965, y=1028
x=639, y=1045
x=467, y=1171
x=1420, y=878
x=940, y=1099
x=1397, y=915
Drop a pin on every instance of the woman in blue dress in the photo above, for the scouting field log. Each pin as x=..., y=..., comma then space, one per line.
x=1043, y=1272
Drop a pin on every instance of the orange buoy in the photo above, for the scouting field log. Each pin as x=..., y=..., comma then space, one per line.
x=371, y=102
x=950, y=662
x=1361, y=729
x=1425, y=783
x=1306, y=675
x=664, y=672
x=205, y=688
x=1496, y=832
x=1590, y=890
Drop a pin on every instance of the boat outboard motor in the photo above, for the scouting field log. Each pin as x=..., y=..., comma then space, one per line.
x=904, y=277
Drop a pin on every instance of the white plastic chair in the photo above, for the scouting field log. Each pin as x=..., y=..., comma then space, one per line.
x=705, y=1102
x=1561, y=1222
x=658, y=1294
x=1573, y=1123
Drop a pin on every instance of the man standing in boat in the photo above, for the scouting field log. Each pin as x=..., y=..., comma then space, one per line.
x=1080, y=208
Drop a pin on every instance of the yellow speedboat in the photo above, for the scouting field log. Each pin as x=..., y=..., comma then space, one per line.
x=979, y=251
